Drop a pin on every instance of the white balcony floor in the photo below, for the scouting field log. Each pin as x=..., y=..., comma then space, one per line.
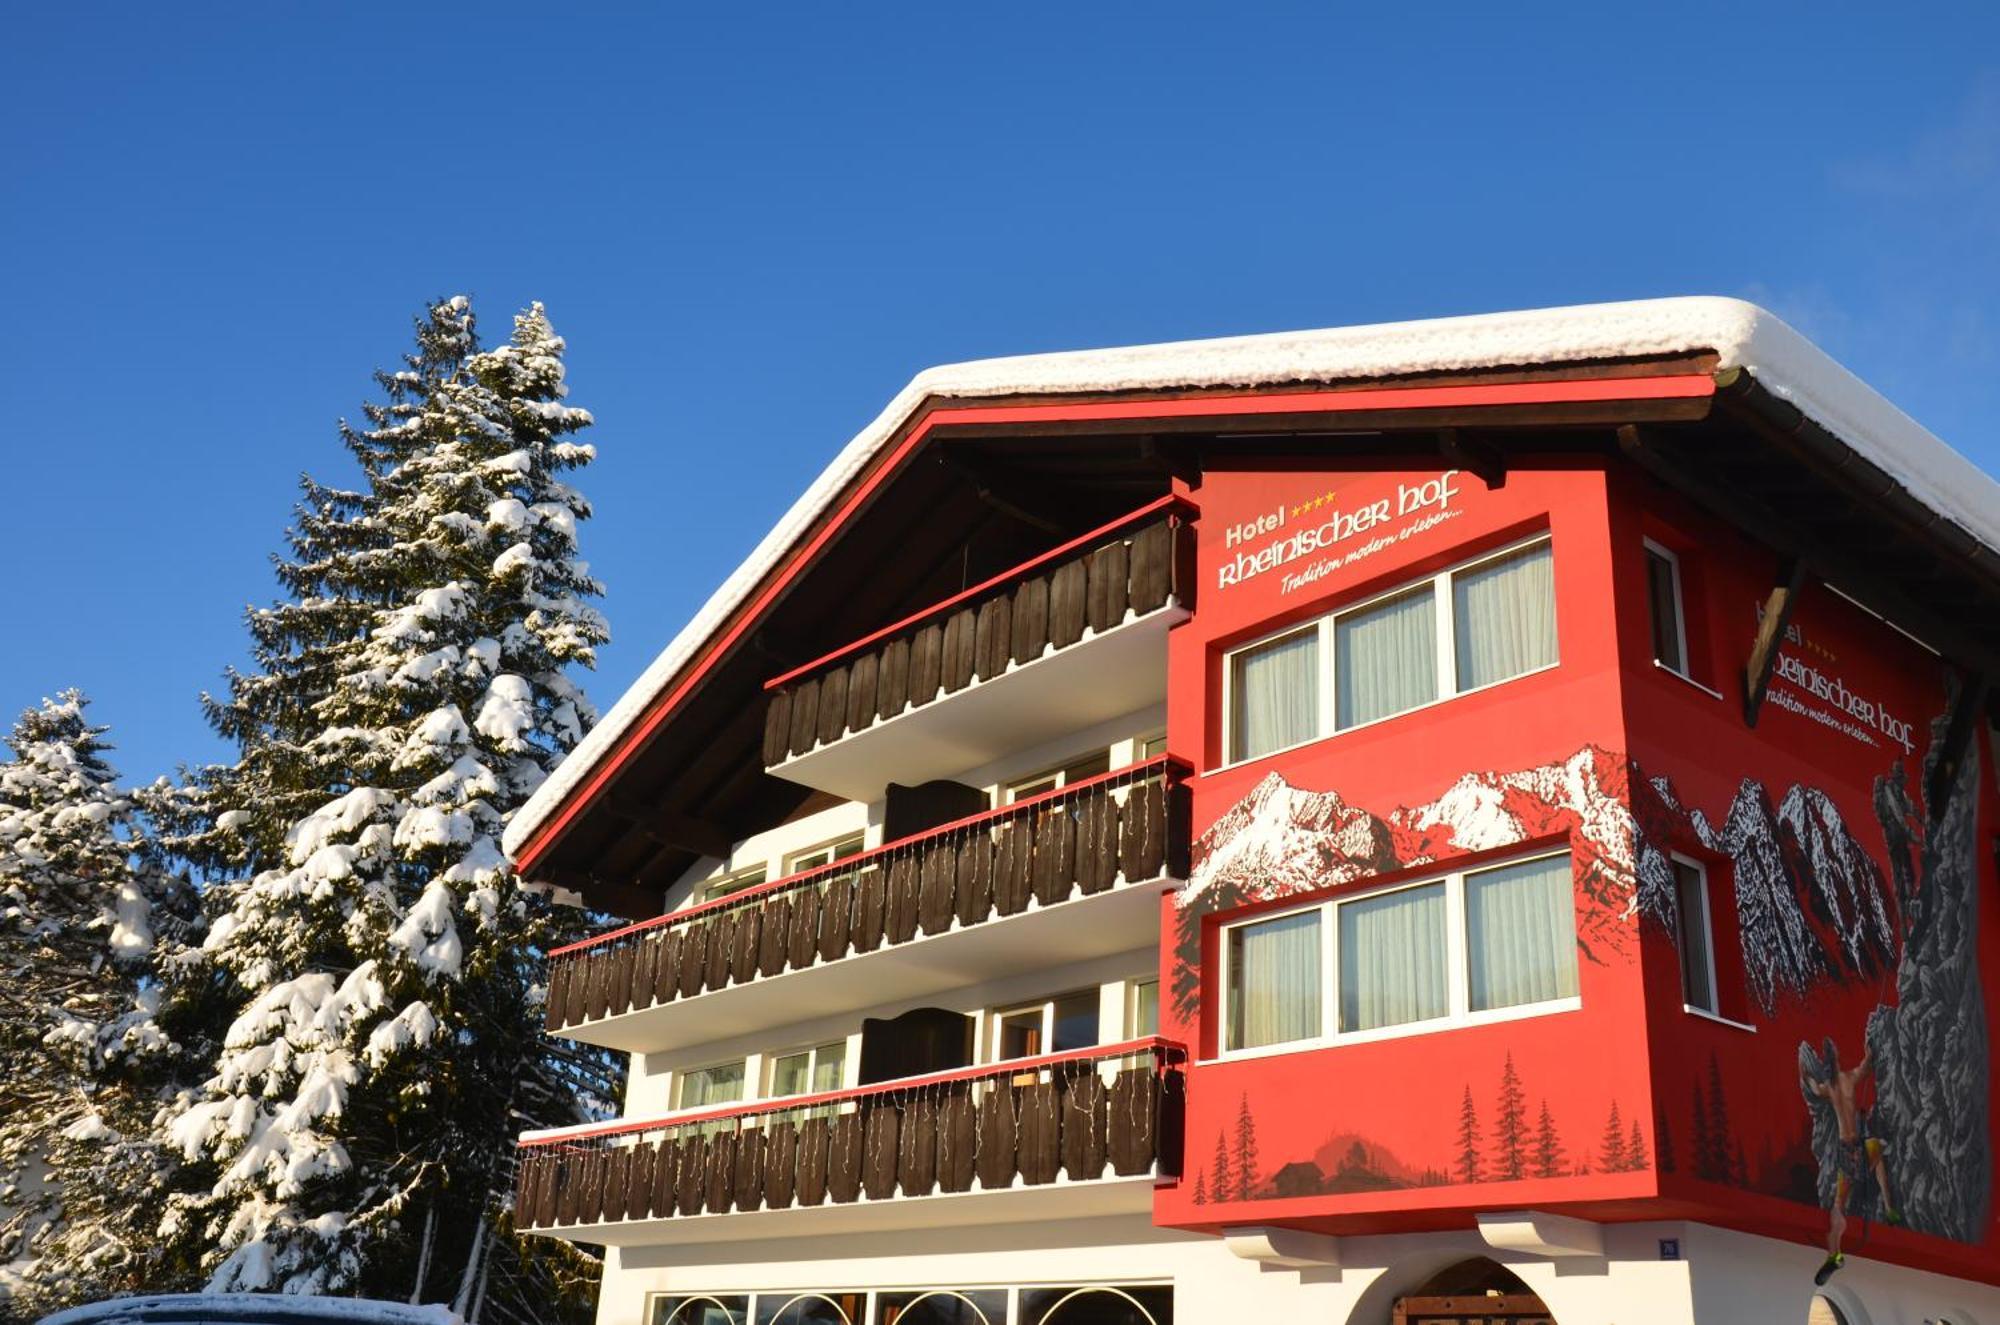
x=1018, y=1204
x=1100, y=677
x=1081, y=927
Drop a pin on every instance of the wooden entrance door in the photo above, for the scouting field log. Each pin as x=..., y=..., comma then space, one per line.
x=1471, y=1309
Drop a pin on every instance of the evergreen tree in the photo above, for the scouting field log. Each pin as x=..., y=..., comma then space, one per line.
x=1548, y=1146
x=1635, y=1148
x=1720, y=1141
x=1246, y=1150
x=1663, y=1141
x=1221, y=1180
x=1704, y=1141
x=82, y=1051
x=1611, y=1155
x=1469, y=1168
x=1510, y=1126
x=385, y=1049
x=1201, y=1189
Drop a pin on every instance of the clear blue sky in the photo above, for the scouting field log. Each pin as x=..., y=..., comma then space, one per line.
x=754, y=223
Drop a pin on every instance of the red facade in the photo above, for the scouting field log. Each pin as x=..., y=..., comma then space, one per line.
x=1841, y=915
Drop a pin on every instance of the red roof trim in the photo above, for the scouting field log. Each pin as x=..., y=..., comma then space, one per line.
x=1679, y=386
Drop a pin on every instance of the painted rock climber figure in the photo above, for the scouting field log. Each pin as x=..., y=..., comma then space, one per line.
x=1859, y=1155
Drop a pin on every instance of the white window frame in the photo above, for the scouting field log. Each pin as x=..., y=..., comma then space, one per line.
x=1457, y=968
x=812, y=1052
x=1058, y=777
x=793, y=858
x=735, y=881
x=1445, y=660
x=1686, y=669
x=1132, y=988
x=742, y=1063
x=1708, y=937
x=1047, y=1007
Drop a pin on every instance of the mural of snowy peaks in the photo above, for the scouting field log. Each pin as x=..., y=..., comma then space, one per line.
x=1811, y=903
x=1280, y=839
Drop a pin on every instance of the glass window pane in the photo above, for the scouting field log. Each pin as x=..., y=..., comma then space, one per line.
x=1691, y=904
x=1076, y=1021
x=1020, y=1035
x=1392, y=959
x=722, y=1309
x=1274, y=974
x=831, y=1308
x=1151, y=1304
x=1505, y=616
x=1385, y=657
x=721, y=1084
x=1520, y=934
x=968, y=1306
x=1663, y=595
x=829, y=1066
x=790, y=1072
x=1274, y=691
x=1144, y=1018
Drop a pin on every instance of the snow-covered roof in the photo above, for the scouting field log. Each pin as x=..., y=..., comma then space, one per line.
x=1743, y=335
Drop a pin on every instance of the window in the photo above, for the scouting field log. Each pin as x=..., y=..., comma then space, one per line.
x=1498, y=941
x=701, y=1309
x=1089, y=766
x=1142, y=1009
x=1693, y=930
x=699, y=1087
x=734, y=882
x=1274, y=694
x=1152, y=747
x=809, y=1071
x=936, y=1306
x=824, y=854
x=1663, y=601
x=1062, y=1023
x=1274, y=980
x=1473, y=626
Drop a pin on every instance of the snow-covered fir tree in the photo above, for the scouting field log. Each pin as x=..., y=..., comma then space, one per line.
x=82, y=1053
x=357, y=1132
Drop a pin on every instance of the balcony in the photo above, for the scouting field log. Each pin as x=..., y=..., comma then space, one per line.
x=1062, y=876
x=1075, y=637
x=1062, y=1135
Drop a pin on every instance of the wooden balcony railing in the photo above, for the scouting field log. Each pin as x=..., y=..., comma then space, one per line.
x=1125, y=826
x=1128, y=568
x=1112, y=1111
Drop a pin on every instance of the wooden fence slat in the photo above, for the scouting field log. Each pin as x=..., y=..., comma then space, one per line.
x=721, y=949
x=905, y=876
x=1030, y=624
x=744, y=949
x=880, y=1128
x=812, y=1161
x=1069, y=586
x=892, y=679
x=843, y=1158
x=805, y=714
x=774, y=932
x=555, y=1015
x=972, y=899
x=934, y=900
x=666, y=1177
x=1097, y=843
x=615, y=1173
x=871, y=899
x=926, y=662
x=995, y=1161
x=777, y=727
x=1109, y=586
x=719, y=1174
x=569, y=1187
x=1133, y=1122
x=1055, y=855
x=1041, y=1133
x=621, y=980
x=1142, y=831
x=639, y=1182
x=667, y=967
x=689, y=1187
x=645, y=956
x=836, y=918
x=992, y=638
x=781, y=1165
x=1013, y=872
x=832, y=705
x=917, y=1147
x=955, y=669
x=525, y=1174
x=597, y=983
x=695, y=941
x=957, y=1139
x=803, y=944
x=1152, y=567
x=863, y=681
x=750, y=1169
x=1085, y=1110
